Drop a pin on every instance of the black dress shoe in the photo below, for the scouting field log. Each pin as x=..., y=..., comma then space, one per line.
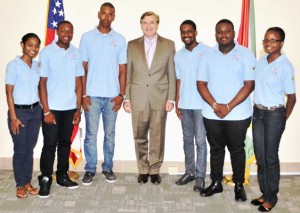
x=143, y=178
x=215, y=187
x=262, y=208
x=155, y=179
x=256, y=202
x=186, y=178
x=240, y=194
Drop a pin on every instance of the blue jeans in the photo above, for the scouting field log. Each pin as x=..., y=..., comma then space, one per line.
x=109, y=117
x=193, y=128
x=267, y=129
x=24, y=143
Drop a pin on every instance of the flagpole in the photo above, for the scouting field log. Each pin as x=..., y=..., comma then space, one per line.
x=252, y=28
x=47, y=18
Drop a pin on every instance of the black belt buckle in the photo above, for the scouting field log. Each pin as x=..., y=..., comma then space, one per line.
x=29, y=106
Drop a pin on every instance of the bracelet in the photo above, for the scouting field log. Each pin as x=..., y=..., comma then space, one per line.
x=84, y=96
x=215, y=105
x=47, y=113
x=79, y=110
x=228, y=107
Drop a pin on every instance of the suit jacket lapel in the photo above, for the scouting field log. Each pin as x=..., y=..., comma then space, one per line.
x=158, y=51
x=141, y=49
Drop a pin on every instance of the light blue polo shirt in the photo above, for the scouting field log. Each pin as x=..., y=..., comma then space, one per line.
x=273, y=81
x=104, y=53
x=61, y=67
x=24, y=79
x=225, y=75
x=186, y=66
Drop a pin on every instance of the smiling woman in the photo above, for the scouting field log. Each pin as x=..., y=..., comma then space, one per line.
x=274, y=79
x=25, y=113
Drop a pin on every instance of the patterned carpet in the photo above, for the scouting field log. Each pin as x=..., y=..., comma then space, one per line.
x=127, y=196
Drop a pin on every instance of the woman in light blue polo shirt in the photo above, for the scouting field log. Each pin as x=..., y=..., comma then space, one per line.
x=274, y=79
x=24, y=111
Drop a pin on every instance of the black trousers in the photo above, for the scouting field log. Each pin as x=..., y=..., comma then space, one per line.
x=231, y=134
x=57, y=135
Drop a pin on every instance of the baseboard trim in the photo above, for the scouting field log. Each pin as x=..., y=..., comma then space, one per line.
x=171, y=167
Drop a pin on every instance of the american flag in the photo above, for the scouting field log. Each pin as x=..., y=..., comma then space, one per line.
x=56, y=14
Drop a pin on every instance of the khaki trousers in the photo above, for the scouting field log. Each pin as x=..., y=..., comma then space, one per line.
x=149, y=152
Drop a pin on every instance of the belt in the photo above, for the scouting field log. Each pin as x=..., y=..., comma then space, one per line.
x=272, y=108
x=29, y=106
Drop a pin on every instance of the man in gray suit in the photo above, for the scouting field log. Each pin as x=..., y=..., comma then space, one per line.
x=150, y=94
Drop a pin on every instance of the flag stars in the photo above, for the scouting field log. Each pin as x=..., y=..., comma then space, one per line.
x=54, y=11
x=61, y=13
x=57, y=4
x=54, y=24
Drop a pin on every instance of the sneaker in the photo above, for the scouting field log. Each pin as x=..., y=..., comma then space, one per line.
x=88, y=178
x=186, y=178
x=199, y=185
x=109, y=176
x=64, y=180
x=45, y=184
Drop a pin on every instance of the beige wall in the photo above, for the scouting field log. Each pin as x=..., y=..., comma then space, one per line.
x=18, y=17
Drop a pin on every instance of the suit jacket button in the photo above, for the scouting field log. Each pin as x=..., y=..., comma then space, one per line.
x=147, y=85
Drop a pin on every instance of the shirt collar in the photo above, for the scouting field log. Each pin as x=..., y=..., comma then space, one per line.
x=196, y=47
x=19, y=60
x=216, y=47
x=55, y=46
x=96, y=31
x=279, y=59
x=153, y=41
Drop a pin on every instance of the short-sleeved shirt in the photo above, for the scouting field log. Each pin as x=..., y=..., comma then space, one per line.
x=61, y=67
x=273, y=80
x=225, y=76
x=186, y=66
x=104, y=53
x=24, y=79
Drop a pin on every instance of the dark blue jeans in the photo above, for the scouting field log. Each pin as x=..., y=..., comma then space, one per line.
x=231, y=134
x=24, y=143
x=267, y=129
x=57, y=135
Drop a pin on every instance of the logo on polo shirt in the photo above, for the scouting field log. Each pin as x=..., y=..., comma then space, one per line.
x=275, y=70
x=73, y=56
x=235, y=57
x=201, y=54
x=114, y=43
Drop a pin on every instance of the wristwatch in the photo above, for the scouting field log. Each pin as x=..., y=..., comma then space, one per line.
x=123, y=96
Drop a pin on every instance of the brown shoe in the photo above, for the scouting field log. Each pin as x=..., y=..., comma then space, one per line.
x=29, y=188
x=21, y=192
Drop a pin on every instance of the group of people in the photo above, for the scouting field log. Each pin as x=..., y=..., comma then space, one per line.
x=209, y=88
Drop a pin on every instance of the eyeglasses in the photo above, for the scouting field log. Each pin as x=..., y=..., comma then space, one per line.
x=272, y=41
